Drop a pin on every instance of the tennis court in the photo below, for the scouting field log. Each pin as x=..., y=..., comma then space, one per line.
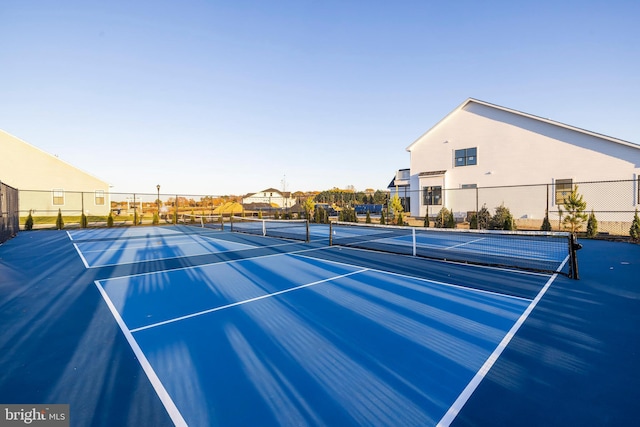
x=212, y=327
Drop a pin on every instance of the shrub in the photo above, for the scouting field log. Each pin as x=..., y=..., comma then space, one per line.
x=483, y=218
x=28, y=224
x=634, y=231
x=110, y=220
x=473, y=222
x=502, y=220
x=368, y=218
x=546, y=225
x=156, y=219
x=426, y=221
x=59, y=221
x=400, y=220
x=444, y=219
x=592, y=225
x=382, y=219
x=84, y=223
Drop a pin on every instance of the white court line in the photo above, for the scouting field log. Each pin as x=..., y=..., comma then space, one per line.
x=185, y=256
x=464, y=243
x=231, y=261
x=162, y=393
x=84, y=261
x=462, y=399
x=421, y=279
x=211, y=310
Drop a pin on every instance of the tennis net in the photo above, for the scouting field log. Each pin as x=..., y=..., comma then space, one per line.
x=214, y=222
x=526, y=250
x=296, y=229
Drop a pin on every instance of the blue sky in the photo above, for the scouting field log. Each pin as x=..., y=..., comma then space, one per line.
x=210, y=97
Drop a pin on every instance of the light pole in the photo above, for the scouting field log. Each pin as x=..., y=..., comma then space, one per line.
x=158, y=200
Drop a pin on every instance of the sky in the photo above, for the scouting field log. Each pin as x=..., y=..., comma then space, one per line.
x=233, y=97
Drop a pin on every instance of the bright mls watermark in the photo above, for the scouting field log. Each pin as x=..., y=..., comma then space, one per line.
x=34, y=415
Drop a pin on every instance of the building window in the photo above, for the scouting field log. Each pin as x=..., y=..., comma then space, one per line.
x=58, y=197
x=432, y=195
x=467, y=157
x=99, y=197
x=563, y=189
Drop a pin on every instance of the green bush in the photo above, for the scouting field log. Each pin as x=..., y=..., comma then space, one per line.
x=546, y=225
x=59, y=221
x=28, y=224
x=483, y=218
x=592, y=225
x=400, y=219
x=368, y=218
x=156, y=219
x=426, y=221
x=110, y=220
x=84, y=223
x=634, y=231
x=444, y=219
x=382, y=219
x=502, y=220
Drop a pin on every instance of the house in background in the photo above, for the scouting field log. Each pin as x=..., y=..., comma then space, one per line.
x=400, y=185
x=482, y=145
x=270, y=197
x=47, y=183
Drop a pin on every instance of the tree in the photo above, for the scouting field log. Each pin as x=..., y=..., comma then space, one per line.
x=400, y=219
x=59, y=221
x=396, y=206
x=382, y=219
x=28, y=224
x=308, y=207
x=574, y=206
x=110, y=220
x=546, y=225
x=444, y=219
x=426, y=220
x=592, y=225
x=84, y=223
x=502, y=220
x=634, y=231
x=483, y=218
x=368, y=218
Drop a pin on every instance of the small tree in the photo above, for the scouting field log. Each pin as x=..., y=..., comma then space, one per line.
x=634, y=231
x=546, y=225
x=110, y=220
x=396, y=207
x=382, y=219
x=483, y=218
x=259, y=214
x=502, y=220
x=28, y=224
x=59, y=221
x=426, y=221
x=592, y=225
x=444, y=219
x=574, y=206
x=368, y=218
x=451, y=221
x=156, y=219
x=473, y=222
x=84, y=222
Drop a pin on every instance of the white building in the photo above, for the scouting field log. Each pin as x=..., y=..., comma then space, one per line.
x=272, y=197
x=47, y=183
x=481, y=145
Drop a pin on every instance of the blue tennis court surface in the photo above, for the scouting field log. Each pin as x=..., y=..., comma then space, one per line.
x=294, y=340
x=235, y=330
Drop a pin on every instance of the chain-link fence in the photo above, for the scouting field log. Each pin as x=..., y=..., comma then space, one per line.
x=9, y=216
x=612, y=202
